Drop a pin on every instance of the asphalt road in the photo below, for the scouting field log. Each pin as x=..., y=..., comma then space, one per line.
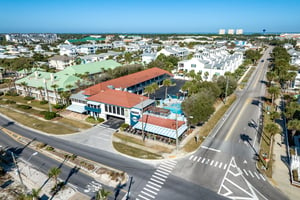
x=226, y=161
x=172, y=187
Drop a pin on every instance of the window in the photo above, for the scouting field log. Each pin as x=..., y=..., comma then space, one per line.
x=109, y=108
x=106, y=108
x=122, y=111
x=193, y=65
x=114, y=109
x=118, y=110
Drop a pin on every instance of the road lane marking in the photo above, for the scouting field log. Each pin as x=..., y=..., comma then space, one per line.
x=245, y=172
x=256, y=175
x=166, y=167
x=155, y=193
x=161, y=175
x=211, y=163
x=199, y=159
x=143, y=197
x=220, y=165
x=262, y=177
x=203, y=160
x=251, y=173
x=157, y=181
x=195, y=158
x=191, y=157
x=154, y=184
x=225, y=166
x=237, y=118
x=153, y=197
x=216, y=163
x=163, y=169
x=160, y=171
x=212, y=149
x=159, y=178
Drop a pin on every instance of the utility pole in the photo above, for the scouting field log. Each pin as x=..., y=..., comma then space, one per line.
x=18, y=171
x=177, y=145
x=226, y=89
x=142, y=111
x=128, y=192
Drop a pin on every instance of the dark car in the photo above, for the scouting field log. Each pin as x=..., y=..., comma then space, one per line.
x=262, y=60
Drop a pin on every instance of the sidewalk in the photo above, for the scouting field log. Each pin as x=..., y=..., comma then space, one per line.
x=280, y=176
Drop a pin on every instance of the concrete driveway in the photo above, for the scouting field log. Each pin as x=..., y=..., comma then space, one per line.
x=99, y=137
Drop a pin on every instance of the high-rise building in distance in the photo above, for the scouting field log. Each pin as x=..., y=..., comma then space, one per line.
x=222, y=31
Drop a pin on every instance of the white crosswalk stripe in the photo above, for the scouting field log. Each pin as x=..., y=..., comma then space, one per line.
x=217, y=162
x=251, y=173
x=191, y=157
x=157, y=181
x=154, y=184
x=143, y=197
x=199, y=159
x=195, y=158
x=220, y=165
x=166, y=167
x=163, y=169
x=150, y=195
x=257, y=175
x=225, y=166
x=155, y=193
x=212, y=162
x=245, y=172
x=161, y=175
x=203, y=160
x=163, y=172
x=159, y=178
x=263, y=178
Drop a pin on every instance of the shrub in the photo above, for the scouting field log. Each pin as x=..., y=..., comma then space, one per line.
x=59, y=106
x=49, y=148
x=1, y=93
x=10, y=102
x=28, y=98
x=124, y=126
x=100, y=120
x=40, y=145
x=50, y=115
x=25, y=107
x=43, y=102
x=11, y=93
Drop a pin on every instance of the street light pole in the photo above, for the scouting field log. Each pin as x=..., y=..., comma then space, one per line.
x=18, y=171
x=27, y=162
x=50, y=108
x=142, y=111
x=176, y=122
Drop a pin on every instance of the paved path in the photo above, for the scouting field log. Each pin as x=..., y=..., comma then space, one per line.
x=281, y=177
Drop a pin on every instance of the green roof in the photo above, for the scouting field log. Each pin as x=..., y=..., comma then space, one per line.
x=37, y=78
x=28, y=71
x=86, y=39
x=91, y=68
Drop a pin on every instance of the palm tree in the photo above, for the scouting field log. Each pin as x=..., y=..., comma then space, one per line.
x=167, y=83
x=35, y=193
x=274, y=92
x=55, y=86
x=294, y=125
x=54, y=173
x=149, y=90
x=69, y=87
x=206, y=74
x=102, y=194
x=270, y=77
x=40, y=89
x=25, y=86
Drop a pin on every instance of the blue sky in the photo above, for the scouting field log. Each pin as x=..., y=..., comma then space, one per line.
x=164, y=16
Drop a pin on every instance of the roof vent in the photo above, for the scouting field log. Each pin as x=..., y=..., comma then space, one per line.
x=111, y=87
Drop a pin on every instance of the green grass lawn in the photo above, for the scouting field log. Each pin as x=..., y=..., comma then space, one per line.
x=135, y=152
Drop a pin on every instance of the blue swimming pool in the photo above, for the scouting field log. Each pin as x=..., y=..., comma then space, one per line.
x=174, y=108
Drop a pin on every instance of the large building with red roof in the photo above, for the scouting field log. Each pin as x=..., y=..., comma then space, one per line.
x=120, y=98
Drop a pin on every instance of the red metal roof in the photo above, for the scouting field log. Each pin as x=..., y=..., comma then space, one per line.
x=127, y=81
x=118, y=98
x=162, y=122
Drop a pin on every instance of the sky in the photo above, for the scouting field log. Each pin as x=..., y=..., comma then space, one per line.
x=148, y=16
